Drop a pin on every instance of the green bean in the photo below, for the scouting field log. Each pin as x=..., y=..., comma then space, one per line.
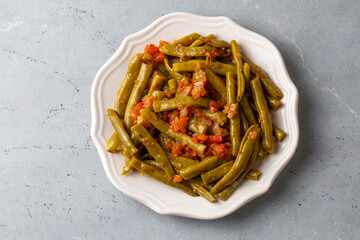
x=165, y=105
x=224, y=194
x=159, y=175
x=239, y=70
x=217, y=116
x=249, y=113
x=158, y=95
x=156, y=84
x=273, y=103
x=235, y=120
x=151, y=162
x=127, y=167
x=179, y=51
x=216, y=173
x=127, y=85
x=196, y=126
x=216, y=43
x=270, y=87
x=165, y=141
x=121, y=131
x=172, y=84
x=216, y=67
x=206, y=164
x=197, y=188
x=171, y=72
x=262, y=152
x=154, y=149
x=278, y=133
x=187, y=40
x=264, y=114
x=164, y=127
x=246, y=149
x=199, y=181
x=160, y=68
x=216, y=82
x=246, y=71
x=196, y=184
x=113, y=145
x=253, y=174
x=136, y=93
x=198, y=42
x=182, y=162
x=244, y=122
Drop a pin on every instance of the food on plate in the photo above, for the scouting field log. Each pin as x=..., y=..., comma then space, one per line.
x=195, y=114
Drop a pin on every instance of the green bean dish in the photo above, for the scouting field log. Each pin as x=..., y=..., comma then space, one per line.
x=195, y=115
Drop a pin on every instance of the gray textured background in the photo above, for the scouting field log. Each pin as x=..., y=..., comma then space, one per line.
x=52, y=183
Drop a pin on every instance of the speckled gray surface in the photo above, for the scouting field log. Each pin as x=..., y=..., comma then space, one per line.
x=52, y=183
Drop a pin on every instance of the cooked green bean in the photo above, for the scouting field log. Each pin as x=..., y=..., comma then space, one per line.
x=197, y=188
x=113, y=145
x=127, y=167
x=249, y=113
x=156, y=84
x=121, y=131
x=165, y=105
x=235, y=134
x=216, y=43
x=206, y=164
x=164, y=127
x=273, y=103
x=262, y=152
x=179, y=51
x=253, y=174
x=172, y=84
x=159, y=175
x=197, y=127
x=244, y=122
x=264, y=114
x=195, y=183
x=246, y=71
x=270, y=87
x=158, y=95
x=187, y=40
x=278, y=133
x=171, y=71
x=160, y=68
x=198, y=42
x=239, y=70
x=224, y=194
x=216, y=67
x=154, y=149
x=246, y=148
x=139, y=87
x=216, y=173
x=217, y=116
x=182, y=162
x=216, y=82
x=127, y=85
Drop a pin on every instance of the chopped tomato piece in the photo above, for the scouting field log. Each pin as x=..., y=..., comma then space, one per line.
x=151, y=49
x=177, y=178
x=214, y=107
x=214, y=139
x=177, y=149
x=179, y=124
x=159, y=57
x=220, y=150
x=135, y=112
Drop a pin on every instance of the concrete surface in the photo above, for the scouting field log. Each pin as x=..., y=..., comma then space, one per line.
x=52, y=184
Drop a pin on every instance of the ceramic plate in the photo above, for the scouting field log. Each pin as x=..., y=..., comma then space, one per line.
x=155, y=195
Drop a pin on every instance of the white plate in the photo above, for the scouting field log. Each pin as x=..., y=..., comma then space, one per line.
x=155, y=195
